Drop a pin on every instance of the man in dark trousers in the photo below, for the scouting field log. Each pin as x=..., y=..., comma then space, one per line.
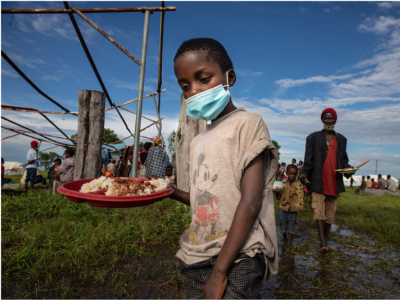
x=325, y=153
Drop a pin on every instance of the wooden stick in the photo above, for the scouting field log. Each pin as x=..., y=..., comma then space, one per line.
x=11, y=136
x=49, y=148
x=360, y=165
x=28, y=131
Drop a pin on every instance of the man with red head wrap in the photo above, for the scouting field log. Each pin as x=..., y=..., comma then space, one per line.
x=32, y=165
x=325, y=153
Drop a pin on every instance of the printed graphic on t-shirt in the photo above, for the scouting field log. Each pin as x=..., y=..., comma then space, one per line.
x=206, y=205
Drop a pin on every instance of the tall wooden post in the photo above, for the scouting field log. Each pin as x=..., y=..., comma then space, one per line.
x=188, y=129
x=88, y=161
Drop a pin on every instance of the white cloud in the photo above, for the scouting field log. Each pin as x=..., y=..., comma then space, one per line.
x=288, y=82
x=333, y=9
x=248, y=73
x=5, y=44
x=9, y=73
x=380, y=25
x=123, y=84
x=387, y=5
x=303, y=9
x=25, y=61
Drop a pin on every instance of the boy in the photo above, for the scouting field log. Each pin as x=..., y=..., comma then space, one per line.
x=56, y=175
x=292, y=201
x=168, y=174
x=230, y=248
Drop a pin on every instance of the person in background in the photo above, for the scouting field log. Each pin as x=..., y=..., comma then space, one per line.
x=283, y=175
x=32, y=165
x=56, y=175
x=374, y=184
x=157, y=160
x=369, y=182
x=391, y=185
x=381, y=182
x=146, y=148
x=3, y=180
x=294, y=162
x=361, y=189
x=103, y=168
x=325, y=153
x=291, y=201
x=169, y=176
x=111, y=167
x=142, y=167
x=351, y=181
x=67, y=167
x=300, y=163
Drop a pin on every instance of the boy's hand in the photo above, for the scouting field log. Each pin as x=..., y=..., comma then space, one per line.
x=215, y=286
x=303, y=177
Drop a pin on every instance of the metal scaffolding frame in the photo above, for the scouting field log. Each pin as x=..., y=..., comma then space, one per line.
x=142, y=63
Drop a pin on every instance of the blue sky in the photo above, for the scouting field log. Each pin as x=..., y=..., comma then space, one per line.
x=292, y=60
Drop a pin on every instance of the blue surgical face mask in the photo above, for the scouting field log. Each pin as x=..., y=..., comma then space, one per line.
x=209, y=104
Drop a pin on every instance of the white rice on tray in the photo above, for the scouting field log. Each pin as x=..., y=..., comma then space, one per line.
x=104, y=183
x=95, y=185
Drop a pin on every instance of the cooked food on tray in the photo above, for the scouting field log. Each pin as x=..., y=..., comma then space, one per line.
x=95, y=185
x=121, y=186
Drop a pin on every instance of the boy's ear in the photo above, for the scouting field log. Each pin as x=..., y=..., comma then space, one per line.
x=231, y=77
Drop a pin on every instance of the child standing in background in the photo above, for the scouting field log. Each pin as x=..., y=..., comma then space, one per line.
x=292, y=201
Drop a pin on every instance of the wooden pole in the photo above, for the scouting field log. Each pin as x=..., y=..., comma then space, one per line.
x=88, y=162
x=188, y=129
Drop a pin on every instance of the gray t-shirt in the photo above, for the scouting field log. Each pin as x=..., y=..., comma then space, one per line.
x=32, y=155
x=218, y=159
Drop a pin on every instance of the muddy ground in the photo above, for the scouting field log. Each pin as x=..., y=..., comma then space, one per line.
x=357, y=268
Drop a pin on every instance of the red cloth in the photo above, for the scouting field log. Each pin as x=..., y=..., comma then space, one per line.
x=1, y=172
x=329, y=182
x=331, y=110
x=57, y=167
x=374, y=185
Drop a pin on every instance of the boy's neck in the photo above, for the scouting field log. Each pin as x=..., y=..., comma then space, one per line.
x=228, y=109
x=290, y=182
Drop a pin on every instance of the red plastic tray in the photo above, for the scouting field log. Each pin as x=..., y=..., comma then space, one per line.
x=71, y=191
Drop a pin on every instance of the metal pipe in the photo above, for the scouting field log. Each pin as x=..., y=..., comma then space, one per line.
x=106, y=35
x=85, y=10
x=140, y=94
x=158, y=116
x=160, y=51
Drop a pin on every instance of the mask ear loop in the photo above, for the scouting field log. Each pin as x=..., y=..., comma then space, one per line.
x=227, y=83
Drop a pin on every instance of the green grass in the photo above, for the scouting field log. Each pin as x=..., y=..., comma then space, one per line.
x=377, y=216
x=51, y=245
x=53, y=248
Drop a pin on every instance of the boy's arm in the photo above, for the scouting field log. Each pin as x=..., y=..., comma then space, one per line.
x=250, y=204
x=181, y=196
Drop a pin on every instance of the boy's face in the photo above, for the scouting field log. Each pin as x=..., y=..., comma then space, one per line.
x=291, y=173
x=168, y=171
x=196, y=74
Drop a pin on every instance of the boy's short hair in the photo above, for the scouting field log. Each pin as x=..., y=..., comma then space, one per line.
x=368, y=177
x=168, y=167
x=58, y=160
x=388, y=177
x=291, y=167
x=216, y=52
